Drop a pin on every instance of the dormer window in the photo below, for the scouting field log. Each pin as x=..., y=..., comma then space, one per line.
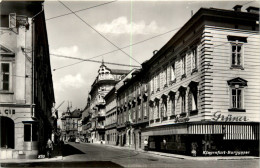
x=237, y=86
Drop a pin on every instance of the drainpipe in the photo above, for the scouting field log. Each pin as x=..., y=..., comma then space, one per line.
x=32, y=82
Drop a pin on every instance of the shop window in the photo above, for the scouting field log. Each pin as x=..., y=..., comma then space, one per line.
x=237, y=87
x=30, y=132
x=27, y=132
x=5, y=76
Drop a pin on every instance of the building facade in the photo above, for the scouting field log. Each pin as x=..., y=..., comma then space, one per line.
x=111, y=117
x=26, y=89
x=86, y=122
x=70, y=124
x=132, y=101
x=202, y=86
x=104, y=82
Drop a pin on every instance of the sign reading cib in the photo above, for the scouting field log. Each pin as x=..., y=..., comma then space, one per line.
x=7, y=111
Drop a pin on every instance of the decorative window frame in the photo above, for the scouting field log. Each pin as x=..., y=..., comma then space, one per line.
x=241, y=84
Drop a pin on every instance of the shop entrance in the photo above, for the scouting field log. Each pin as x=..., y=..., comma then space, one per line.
x=7, y=132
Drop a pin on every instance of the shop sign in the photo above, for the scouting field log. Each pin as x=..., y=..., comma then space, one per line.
x=7, y=111
x=220, y=117
x=236, y=153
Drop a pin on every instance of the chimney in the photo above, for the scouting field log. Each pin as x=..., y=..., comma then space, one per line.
x=237, y=8
x=252, y=9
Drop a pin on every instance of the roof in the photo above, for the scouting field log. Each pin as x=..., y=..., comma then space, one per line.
x=76, y=114
x=218, y=15
x=119, y=71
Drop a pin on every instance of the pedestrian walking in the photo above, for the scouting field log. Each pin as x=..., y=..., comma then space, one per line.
x=49, y=148
x=194, y=146
x=164, y=143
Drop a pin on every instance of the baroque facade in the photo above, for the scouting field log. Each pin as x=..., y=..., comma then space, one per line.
x=26, y=88
x=104, y=82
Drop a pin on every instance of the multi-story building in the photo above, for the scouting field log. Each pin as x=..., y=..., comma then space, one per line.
x=103, y=83
x=86, y=122
x=132, y=109
x=26, y=88
x=70, y=124
x=111, y=117
x=203, y=86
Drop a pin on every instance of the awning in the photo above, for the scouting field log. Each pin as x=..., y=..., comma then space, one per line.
x=168, y=130
x=229, y=131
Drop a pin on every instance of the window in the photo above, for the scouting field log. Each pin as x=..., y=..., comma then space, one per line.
x=139, y=111
x=164, y=108
x=194, y=59
x=172, y=103
x=165, y=76
x=5, y=76
x=236, y=57
x=236, y=98
x=183, y=66
x=145, y=109
x=27, y=132
x=30, y=132
x=183, y=103
x=193, y=98
x=133, y=114
x=158, y=82
x=237, y=87
x=173, y=72
x=182, y=91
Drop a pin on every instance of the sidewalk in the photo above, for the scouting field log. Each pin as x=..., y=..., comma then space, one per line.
x=56, y=156
x=178, y=156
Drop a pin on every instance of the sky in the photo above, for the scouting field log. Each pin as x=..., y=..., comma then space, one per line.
x=121, y=22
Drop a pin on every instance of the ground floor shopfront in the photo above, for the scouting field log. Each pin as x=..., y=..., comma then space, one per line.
x=131, y=136
x=98, y=136
x=22, y=137
x=206, y=138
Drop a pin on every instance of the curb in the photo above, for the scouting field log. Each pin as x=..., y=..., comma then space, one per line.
x=186, y=157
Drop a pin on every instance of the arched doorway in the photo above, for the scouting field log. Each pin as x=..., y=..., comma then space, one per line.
x=7, y=132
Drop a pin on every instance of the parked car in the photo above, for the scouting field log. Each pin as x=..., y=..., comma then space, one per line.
x=77, y=140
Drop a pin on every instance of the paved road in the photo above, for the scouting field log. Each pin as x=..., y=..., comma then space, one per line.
x=93, y=155
x=129, y=158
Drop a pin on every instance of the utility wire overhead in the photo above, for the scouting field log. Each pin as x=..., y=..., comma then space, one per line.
x=120, y=48
x=80, y=10
x=111, y=63
x=99, y=33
